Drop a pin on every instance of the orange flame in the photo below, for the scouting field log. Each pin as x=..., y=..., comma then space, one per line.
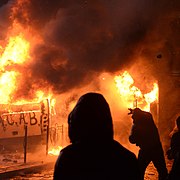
x=55, y=151
x=132, y=95
x=16, y=52
x=7, y=85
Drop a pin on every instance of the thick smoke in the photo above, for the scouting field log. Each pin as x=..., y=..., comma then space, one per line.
x=82, y=39
x=4, y=18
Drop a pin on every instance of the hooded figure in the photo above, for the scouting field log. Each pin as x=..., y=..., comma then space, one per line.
x=93, y=153
x=144, y=134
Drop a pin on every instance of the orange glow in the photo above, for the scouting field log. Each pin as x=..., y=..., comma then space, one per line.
x=55, y=151
x=41, y=95
x=7, y=85
x=16, y=52
x=153, y=95
x=131, y=95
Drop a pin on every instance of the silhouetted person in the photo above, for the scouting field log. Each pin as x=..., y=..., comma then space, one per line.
x=174, y=153
x=144, y=134
x=93, y=153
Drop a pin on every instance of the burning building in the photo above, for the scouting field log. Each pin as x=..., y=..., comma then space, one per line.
x=57, y=50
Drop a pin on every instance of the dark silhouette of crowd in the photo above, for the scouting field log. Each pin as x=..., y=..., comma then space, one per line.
x=94, y=154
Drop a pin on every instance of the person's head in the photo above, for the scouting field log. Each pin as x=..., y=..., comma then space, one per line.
x=90, y=120
x=142, y=117
x=178, y=123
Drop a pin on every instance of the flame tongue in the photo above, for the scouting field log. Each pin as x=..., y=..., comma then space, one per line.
x=132, y=95
x=16, y=52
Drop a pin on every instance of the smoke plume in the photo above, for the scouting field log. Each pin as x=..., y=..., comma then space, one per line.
x=82, y=39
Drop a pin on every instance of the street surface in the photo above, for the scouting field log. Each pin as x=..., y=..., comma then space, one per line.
x=151, y=174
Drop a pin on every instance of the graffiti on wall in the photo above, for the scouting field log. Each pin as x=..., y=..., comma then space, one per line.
x=36, y=118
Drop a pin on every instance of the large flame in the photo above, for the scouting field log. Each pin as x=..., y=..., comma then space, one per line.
x=131, y=95
x=16, y=52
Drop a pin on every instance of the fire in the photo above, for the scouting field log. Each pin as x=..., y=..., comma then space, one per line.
x=132, y=95
x=153, y=95
x=16, y=52
x=124, y=85
x=55, y=151
x=7, y=86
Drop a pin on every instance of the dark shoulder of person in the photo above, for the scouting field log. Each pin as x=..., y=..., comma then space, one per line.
x=126, y=157
x=122, y=151
x=105, y=161
x=127, y=162
x=65, y=164
x=113, y=149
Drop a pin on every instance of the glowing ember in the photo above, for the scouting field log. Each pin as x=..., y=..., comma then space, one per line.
x=55, y=151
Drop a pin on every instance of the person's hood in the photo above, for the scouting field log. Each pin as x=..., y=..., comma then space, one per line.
x=90, y=120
